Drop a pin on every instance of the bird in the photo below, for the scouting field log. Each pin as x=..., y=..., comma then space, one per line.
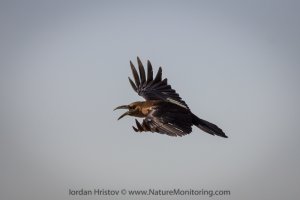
x=163, y=110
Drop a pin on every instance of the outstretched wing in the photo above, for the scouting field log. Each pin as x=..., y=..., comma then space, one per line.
x=153, y=88
x=167, y=119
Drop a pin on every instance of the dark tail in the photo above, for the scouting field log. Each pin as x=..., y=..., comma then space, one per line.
x=208, y=127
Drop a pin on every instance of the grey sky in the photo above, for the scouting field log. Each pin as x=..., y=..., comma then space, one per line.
x=64, y=67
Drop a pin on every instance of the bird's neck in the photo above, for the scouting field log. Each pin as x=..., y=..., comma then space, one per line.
x=145, y=107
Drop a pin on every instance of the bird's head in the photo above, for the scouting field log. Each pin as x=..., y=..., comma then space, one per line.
x=133, y=109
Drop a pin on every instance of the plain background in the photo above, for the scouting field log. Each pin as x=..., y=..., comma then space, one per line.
x=64, y=67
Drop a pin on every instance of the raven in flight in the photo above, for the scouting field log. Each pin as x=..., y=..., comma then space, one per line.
x=163, y=111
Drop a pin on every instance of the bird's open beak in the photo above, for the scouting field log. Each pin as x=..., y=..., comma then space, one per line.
x=123, y=107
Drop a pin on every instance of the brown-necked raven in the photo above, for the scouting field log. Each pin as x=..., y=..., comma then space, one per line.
x=163, y=111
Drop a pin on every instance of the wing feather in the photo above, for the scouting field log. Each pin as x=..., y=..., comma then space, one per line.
x=169, y=119
x=135, y=75
x=132, y=85
x=153, y=89
x=158, y=76
x=142, y=71
x=150, y=72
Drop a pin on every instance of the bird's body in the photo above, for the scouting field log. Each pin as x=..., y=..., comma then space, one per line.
x=163, y=111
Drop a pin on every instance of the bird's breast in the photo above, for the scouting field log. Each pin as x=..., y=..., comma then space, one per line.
x=146, y=110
